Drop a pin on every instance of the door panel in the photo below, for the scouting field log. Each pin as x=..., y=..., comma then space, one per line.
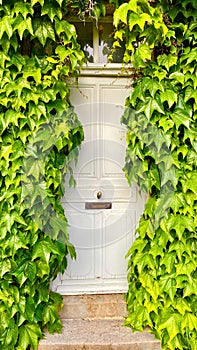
x=102, y=237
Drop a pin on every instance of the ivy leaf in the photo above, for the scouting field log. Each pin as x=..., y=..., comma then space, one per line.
x=180, y=77
x=34, y=168
x=120, y=14
x=191, y=56
x=191, y=183
x=21, y=278
x=52, y=11
x=59, y=229
x=167, y=60
x=16, y=242
x=138, y=319
x=59, y=2
x=62, y=52
x=182, y=307
x=168, y=285
x=65, y=27
x=5, y=152
x=30, y=310
x=42, y=251
x=136, y=93
x=169, y=96
x=71, y=250
x=181, y=117
x=43, y=30
x=23, y=8
x=5, y=267
x=22, y=26
x=19, y=61
x=180, y=223
x=152, y=86
x=138, y=245
x=190, y=321
x=160, y=74
x=119, y=34
x=150, y=284
x=35, y=73
x=141, y=55
x=29, y=334
x=38, y=110
x=12, y=117
x=190, y=288
x=50, y=314
x=172, y=325
x=6, y=26
x=33, y=2
x=151, y=106
x=166, y=124
x=190, y=93
x=30, y=271
x=48, y=95
x=138, y=19
x=3, y=58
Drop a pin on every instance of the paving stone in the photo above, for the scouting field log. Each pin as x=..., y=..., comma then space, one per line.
x=98, y=335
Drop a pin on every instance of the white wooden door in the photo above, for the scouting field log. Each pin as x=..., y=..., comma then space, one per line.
x=102, y=237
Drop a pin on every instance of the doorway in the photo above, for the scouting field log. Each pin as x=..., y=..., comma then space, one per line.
x=102, y=210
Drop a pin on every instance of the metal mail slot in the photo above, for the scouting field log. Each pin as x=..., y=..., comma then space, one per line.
x=98, y=205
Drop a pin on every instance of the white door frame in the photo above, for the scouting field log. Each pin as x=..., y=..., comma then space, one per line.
x=65, y=285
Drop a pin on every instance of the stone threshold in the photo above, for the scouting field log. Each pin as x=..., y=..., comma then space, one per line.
x=98, y=335
x=94, y=306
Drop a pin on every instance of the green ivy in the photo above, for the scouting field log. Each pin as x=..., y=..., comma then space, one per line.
x=160, y=115
x=40, y=135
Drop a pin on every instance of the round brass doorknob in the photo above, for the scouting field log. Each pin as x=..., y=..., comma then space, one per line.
x=99, y=194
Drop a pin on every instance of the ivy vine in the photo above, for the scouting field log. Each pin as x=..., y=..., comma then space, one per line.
x=160, y=115
x=40, y=136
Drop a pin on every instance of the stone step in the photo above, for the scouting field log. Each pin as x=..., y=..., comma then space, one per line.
x=98, y=335
x=99, y=306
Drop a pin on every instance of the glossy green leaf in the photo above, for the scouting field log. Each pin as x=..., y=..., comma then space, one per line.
x=138, y=19
x=151, y=106
x=169, y=96
x=6, y=26
x=172, y=324
x=33, y=2
x=181, y=117
x=65, y=27
x=167, y=61
x=23, y=8
x=51, y=11
x=41, y=251
x=43, y=30
x=122, y=12
x=29, y=334
x=21, y=26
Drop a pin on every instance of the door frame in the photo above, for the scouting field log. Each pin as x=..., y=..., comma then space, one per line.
x=61, y=285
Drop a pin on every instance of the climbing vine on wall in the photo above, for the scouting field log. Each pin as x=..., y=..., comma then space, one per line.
x=161, y=113
x=40, y=135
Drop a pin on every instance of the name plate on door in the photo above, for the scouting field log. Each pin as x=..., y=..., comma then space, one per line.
x=98, y=205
